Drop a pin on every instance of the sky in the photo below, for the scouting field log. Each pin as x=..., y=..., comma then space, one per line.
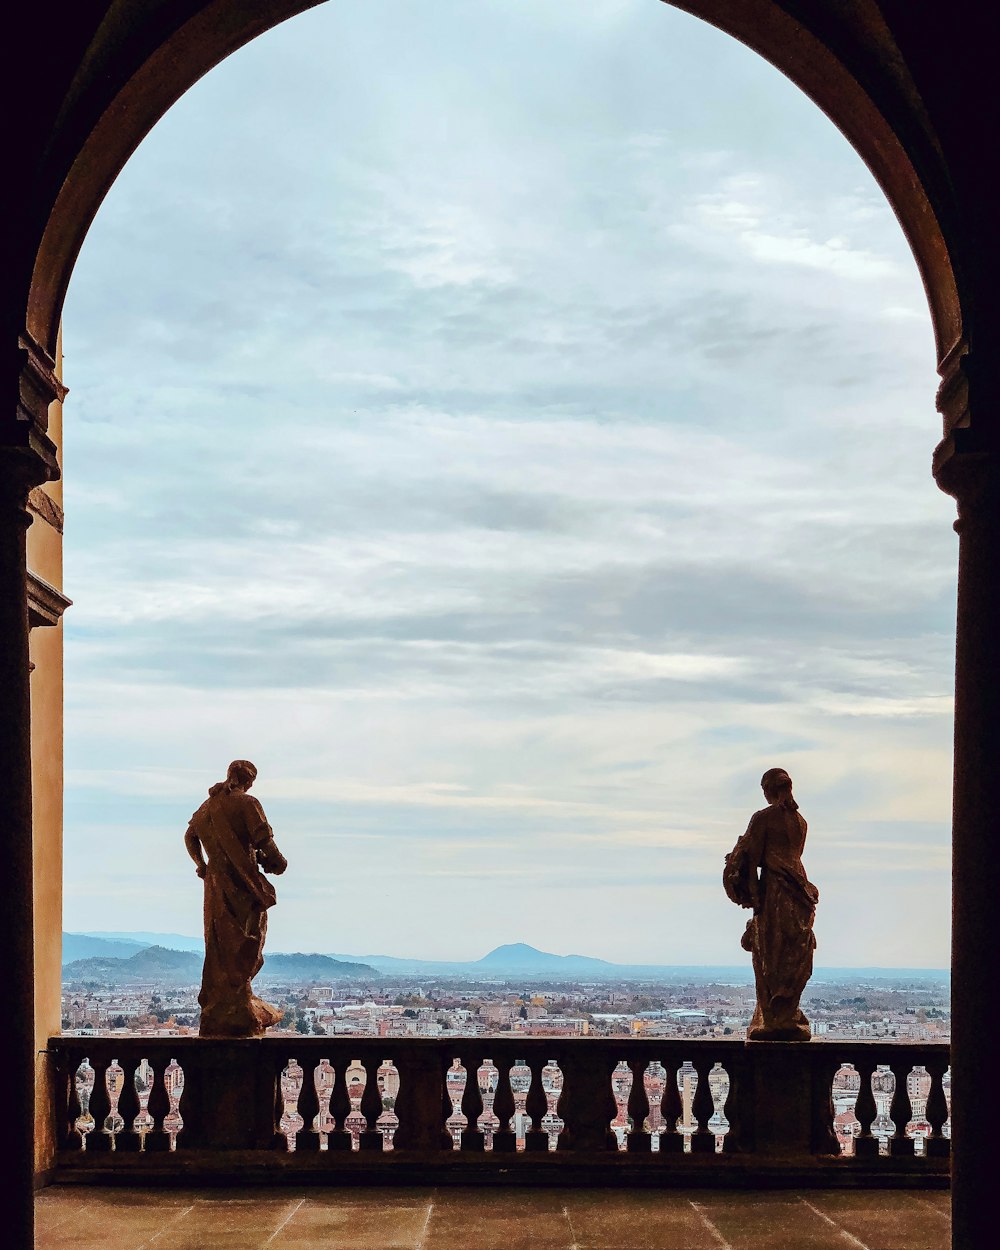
x=508, y=425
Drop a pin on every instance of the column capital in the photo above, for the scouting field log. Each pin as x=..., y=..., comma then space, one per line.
x=972, y=478
x=27, y=454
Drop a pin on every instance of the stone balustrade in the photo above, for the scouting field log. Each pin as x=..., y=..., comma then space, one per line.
x=497, y=1110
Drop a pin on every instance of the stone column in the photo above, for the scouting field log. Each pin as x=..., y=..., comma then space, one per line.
x=967, y=466
x=27, y=458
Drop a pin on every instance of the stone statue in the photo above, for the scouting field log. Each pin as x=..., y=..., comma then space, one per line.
x=231, y=827
x=779, y=935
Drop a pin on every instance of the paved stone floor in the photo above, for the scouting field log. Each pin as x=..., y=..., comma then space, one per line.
x=82, y=1218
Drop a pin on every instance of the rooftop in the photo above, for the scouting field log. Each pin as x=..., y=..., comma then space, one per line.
x=74, y=1217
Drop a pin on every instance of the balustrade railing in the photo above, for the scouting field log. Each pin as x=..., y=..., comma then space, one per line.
x=504, y=1110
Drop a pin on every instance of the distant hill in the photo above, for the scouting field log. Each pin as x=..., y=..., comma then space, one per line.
x=405, y=967
x=154, y=963
x=157, y=963
x=300, y=967
x=518, y=956
x=76, y=946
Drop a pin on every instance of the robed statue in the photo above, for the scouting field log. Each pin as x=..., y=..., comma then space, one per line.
x=231, y=829
x=764, y=871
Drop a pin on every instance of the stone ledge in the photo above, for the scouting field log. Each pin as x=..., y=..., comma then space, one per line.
x=46, y=604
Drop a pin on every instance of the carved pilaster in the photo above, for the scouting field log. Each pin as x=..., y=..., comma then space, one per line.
x=967, y=466
x=27, y=459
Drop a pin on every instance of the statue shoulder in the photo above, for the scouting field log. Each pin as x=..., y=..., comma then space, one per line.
x=770, y=820
x=240, y=801
x=253, y=809
x=199, y=814
x=759, y=822
x=254, y=820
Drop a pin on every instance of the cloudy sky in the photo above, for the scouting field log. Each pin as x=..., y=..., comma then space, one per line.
x=509, y=425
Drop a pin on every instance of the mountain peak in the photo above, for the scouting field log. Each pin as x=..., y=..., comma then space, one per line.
x=521, y=956
x=510, y=949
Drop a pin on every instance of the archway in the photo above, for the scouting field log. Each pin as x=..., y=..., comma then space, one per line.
x=433, y=224
x=107, y=113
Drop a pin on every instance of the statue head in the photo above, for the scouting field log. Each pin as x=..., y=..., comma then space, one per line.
x=777, y=787
x=240, y=775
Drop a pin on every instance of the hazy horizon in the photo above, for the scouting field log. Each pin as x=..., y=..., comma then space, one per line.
x=645, y=963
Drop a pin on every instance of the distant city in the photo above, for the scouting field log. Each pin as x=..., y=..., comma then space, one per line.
x=147, y=984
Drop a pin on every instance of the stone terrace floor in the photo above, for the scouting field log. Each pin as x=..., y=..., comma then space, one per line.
x=83, y=1218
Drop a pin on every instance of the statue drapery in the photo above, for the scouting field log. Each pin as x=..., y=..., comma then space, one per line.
x=765, y=871
x=231, y=828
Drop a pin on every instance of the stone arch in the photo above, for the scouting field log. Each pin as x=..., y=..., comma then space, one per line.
x=910, y=87
x=134, y=70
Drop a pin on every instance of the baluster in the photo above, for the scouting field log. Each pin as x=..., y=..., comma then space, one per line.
x=488, y=1080
x=844, y=1091
x=654, y=1082
x=621, y=1088
x=173, y=1083
x=552, y=1087
x=687, y=1086
x=718, y=1087
x=84, y=1082
x=143, y=1081
x=114, y=1081
x=456, y=1123
x=883, y=1089
x=945, y=1089
x=324, y=1080
x=918, y=1090
x=387, y=1080
x=520, y=1086
x=291, y=1122
x=355, y=1123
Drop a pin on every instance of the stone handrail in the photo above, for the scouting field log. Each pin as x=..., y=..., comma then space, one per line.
x=431, y=1110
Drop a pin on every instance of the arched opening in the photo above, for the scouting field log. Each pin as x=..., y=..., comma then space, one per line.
x=572, y=532
x=95, y=141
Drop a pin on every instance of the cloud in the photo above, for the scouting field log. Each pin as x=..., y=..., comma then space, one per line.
x=748, y=212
